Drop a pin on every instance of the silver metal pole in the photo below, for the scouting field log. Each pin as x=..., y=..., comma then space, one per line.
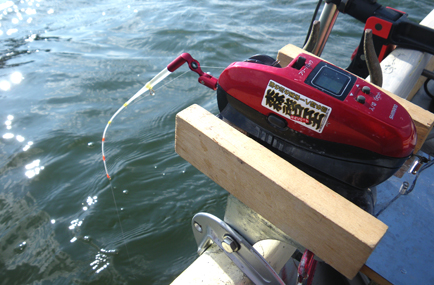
x=327, y=19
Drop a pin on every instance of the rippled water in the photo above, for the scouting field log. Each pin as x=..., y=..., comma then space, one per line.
x=65, y=68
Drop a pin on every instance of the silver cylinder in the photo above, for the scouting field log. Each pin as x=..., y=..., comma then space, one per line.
x=327, y=19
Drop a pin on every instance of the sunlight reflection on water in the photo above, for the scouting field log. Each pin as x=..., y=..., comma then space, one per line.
x=10, y=135
x=67, y=66
x=14, y=78
x=33, y=168
x=19, y=14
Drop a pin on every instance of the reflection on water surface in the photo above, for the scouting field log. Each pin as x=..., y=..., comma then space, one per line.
x=65, y=68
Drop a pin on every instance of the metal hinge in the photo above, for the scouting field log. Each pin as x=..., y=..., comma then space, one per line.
x=209, y=229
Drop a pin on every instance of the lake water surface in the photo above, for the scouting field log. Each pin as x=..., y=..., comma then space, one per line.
x=65, y=68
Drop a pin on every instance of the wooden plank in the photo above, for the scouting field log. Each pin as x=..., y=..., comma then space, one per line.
x=377, y=278
x=336, y=230
x=423, y=119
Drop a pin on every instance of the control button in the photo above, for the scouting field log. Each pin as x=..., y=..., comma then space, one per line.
x=366, y=89
x=276, y=121
x=301, y=61
x=361, y=99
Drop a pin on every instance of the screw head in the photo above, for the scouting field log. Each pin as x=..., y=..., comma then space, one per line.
x=229, y=244
x=404, y=187
x=198, y=227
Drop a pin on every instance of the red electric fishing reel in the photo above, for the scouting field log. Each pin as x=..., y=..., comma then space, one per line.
x=338, y=128
x=325, y=120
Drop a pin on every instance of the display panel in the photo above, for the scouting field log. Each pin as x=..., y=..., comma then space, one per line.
x=331, y=80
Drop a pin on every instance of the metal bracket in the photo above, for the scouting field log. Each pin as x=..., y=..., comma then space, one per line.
x=209, y=229
x=252, y=226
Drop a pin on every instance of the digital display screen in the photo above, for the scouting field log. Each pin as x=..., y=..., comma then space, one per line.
x=331, y=80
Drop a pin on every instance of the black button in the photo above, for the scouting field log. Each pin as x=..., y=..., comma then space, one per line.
x=366, y=89
x=361, y=99
x=301, y=61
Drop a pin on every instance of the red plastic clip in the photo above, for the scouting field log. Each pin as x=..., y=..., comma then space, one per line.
x=204, y=78
x=306, y=268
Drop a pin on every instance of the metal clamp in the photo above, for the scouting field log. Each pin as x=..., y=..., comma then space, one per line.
x=209, y=229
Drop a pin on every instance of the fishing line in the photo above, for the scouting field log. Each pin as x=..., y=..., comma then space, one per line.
x=140, y=92
x=119, y=219
x=204, y=78
x=182, y=74
x=148, y=87
x=223, y=67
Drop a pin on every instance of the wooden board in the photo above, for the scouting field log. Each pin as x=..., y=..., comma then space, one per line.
x=377, y=278
x=423, y=119
x=334, y=229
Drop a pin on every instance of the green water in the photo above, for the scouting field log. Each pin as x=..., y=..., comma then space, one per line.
x=66, y=67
